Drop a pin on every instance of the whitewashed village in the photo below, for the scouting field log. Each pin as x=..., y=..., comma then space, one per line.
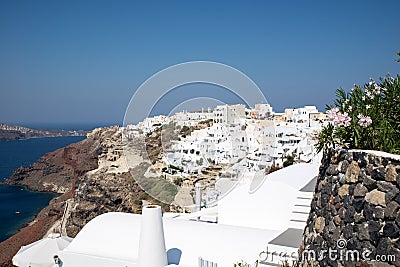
x=245, y=181
x=253, y=139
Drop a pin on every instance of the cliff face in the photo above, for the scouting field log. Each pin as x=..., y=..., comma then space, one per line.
x=57, y=171
x=92, y=178
x=54, y=172
x=110, y=187
x=355, y=209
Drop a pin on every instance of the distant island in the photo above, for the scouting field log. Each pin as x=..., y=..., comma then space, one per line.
x=12, y=132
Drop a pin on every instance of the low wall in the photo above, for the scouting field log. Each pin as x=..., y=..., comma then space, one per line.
x=355, y=208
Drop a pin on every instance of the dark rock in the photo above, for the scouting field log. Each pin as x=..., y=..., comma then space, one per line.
x=358, y=204
x=333, y=169
x=392, y=210
x=398, y=221
x=313, y=204
x=348, y=157
x=362, y=162
x=396, y=253
x=378, y=174
x=348, y=231
x=391, y=194
x=369, y=168
x=384, y=246
x=334, y=211
x=369, y=183
x=378, y=212
x=385, y=186
x=336, y=234
x=349, y=215
x=391, y=230
x=343, y=165
x=373, y=228
x=359, y=218
x=327, y=189
x=331, y=227
x=368, y=211
x=351, y=189
x=367, y=245
x=327, y=261
x=377, y=161
x=363, y=231
x=360, y=190
x=325, y=200
x=347, y=201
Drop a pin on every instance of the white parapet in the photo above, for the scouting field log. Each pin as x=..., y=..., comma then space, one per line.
x=152, y=252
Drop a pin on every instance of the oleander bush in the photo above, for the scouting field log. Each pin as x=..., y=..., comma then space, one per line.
x=367, y=117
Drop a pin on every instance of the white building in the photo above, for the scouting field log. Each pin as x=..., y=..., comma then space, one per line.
x=300, y=115
x=229, y=114
x=185, y=118
x=262, y=111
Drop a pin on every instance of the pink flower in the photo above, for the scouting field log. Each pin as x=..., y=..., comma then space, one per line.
x=364, y=121
x=342, y=119
x=332, y=113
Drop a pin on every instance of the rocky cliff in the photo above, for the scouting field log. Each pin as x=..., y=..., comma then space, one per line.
x=91, y=177
x=109, y=187
x=94, y=177
x=57, y=171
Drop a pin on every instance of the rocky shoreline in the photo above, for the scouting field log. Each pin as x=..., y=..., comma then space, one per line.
x=54, y=172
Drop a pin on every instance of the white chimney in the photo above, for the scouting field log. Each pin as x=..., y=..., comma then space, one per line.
x=152, y=252
x=198, y=196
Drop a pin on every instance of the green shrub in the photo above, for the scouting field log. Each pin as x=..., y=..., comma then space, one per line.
x=178, y=181
x=367, y=117
x=289, y=160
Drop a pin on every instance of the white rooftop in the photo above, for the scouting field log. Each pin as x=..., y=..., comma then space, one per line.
x=268, y=212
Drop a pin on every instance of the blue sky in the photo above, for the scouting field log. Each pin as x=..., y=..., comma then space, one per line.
x=81, y=61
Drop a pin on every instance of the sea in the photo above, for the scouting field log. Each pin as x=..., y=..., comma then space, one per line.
x=19, y=206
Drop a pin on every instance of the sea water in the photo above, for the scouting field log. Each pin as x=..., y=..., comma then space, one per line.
x=19, y=206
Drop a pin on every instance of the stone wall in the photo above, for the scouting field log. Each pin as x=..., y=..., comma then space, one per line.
x=355, y=207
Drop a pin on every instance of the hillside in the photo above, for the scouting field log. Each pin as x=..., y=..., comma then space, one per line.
x=91, y=176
